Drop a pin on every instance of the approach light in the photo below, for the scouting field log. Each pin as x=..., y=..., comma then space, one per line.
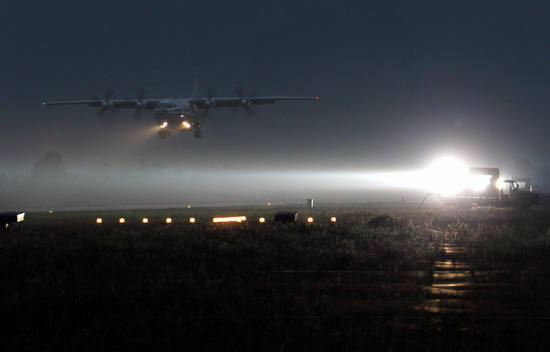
x=168, y=220
x=261, y=220
x=192, y=220
x=99, y=221
x=226, y=219
x=186, y=125
x=189, y=206
x=164, y=124
x=310, y=220
x=51, y=211
x=121, y=221
x=145, y=220
x=333, y=219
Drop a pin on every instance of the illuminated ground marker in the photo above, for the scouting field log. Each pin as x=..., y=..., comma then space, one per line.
x=333, y=219
x=192, y=220
x=145, y=220
x=310, y=219
x=168, y=220
x=261, y=220
x=229, y=219
x=121, y=221
x=99, y=221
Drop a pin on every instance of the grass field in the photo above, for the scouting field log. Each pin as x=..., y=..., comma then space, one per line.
x=438, y=279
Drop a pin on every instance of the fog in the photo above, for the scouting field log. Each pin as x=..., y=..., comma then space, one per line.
x=401, y=84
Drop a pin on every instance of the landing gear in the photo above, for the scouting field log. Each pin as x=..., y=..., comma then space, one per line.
x=197, y=133
x=164, y=134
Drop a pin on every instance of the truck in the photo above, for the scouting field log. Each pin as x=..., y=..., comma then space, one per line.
x=487, y=188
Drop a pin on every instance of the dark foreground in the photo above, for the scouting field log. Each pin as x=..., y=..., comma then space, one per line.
x=438, y=280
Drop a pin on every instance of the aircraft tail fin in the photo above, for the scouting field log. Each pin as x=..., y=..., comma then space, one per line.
x=196, y=87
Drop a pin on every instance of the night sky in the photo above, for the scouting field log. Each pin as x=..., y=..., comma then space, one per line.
x=400, y=81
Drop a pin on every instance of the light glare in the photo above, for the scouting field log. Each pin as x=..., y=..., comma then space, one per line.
x=229, y=219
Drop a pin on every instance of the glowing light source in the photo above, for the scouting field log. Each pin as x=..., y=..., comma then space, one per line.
x=51, y=211
x=261, y=220
x=192, y=220
x=168, y=220
x=188, y=205
x=99, y=221
x=186, y=125
x=121, y=221
x=164, y=124
x=268, y=204
x=229, y=219
x=333, y=219
x=447, y=176
x=310, y=220
x=478, y=183
x=145, y=220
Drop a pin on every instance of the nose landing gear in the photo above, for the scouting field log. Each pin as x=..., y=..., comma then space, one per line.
x=164, y=133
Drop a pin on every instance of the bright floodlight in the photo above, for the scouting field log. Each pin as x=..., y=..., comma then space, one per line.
x=99, y=221
x=261, y=220
x=447, y=176
x=310, y=220
x=192, y=220
x=121, y=221
x=168, y=220
x=333, y=219
x=145, y=220
x=186, y=125
x=164, y=124
x=478, y=183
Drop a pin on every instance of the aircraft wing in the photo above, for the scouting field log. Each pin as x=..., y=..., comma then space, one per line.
x=113, y=103
x=247, y=101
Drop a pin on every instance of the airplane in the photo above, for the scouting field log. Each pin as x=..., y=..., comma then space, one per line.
x=184, y=114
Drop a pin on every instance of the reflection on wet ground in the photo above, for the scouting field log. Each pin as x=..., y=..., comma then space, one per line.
x=451, y=281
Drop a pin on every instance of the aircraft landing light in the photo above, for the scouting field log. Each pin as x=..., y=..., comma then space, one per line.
x=186, y=125
x=229, y=219
x=164, y=124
